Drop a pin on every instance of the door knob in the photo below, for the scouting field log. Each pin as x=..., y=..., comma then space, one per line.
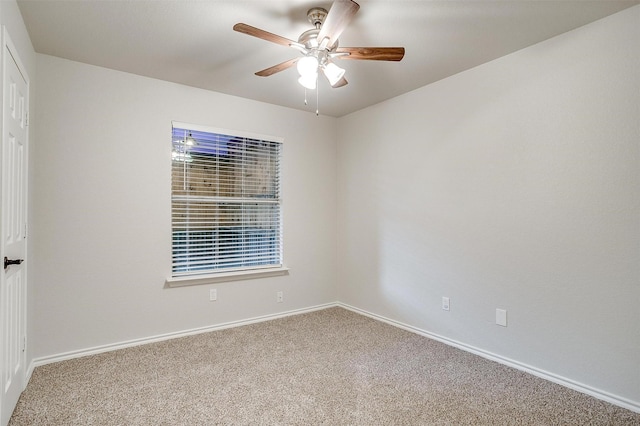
x=8, y=262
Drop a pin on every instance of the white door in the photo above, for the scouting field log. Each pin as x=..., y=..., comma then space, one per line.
x=13, y=247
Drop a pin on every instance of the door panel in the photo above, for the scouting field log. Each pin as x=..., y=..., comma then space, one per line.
x=13, y=280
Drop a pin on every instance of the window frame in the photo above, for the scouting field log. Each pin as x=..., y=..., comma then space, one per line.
x=227, y=274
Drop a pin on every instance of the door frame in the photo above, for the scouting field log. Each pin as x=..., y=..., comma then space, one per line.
x=9, y=49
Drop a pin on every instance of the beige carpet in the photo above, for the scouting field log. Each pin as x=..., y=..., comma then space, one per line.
x=331, y=367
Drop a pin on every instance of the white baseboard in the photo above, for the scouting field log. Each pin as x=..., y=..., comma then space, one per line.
x=145, y=340
x=563, y=381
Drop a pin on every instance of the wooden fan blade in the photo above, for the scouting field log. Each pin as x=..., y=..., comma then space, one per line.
x=265, y=35
x=339, y=16
x=371, y=53
x=277, y=68
x=342, y=82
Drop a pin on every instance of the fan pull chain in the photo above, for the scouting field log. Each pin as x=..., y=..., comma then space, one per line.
x=305, y=96
x=317, y=96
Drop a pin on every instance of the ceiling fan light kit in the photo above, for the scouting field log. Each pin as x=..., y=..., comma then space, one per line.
x=320, y=46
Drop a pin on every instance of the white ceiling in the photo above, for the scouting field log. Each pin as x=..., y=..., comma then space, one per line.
x=192, y=42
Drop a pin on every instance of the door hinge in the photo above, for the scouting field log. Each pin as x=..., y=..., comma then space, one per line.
x=26, y=119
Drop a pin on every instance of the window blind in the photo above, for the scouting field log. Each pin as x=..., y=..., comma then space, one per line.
x=225, y=201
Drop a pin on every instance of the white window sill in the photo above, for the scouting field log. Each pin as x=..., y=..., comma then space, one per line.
x=225, y=277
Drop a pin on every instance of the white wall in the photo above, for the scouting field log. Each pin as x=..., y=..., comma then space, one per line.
x=102, y=208
x=513, y=185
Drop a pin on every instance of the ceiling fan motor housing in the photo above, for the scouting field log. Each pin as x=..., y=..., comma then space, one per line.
x=309, y=39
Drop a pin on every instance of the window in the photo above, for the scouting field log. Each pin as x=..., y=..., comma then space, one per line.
x=225, y=201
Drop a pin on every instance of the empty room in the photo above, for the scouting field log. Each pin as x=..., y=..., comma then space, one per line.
x=297, y=212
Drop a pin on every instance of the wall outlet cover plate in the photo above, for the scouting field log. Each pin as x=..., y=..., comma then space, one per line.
x=501, y=317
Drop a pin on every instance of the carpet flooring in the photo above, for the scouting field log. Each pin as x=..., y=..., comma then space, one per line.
x=329, y=367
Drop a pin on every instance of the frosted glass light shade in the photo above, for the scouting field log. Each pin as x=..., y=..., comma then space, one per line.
x=307, y=65
x=333, y=72
x=309, y=80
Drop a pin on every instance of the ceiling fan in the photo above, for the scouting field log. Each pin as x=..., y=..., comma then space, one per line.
x=319, y=46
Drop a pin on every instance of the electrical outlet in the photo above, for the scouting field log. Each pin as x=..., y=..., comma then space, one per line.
x=445, y=303
x=213, y=294
x=279, y=297
x=501, y=317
